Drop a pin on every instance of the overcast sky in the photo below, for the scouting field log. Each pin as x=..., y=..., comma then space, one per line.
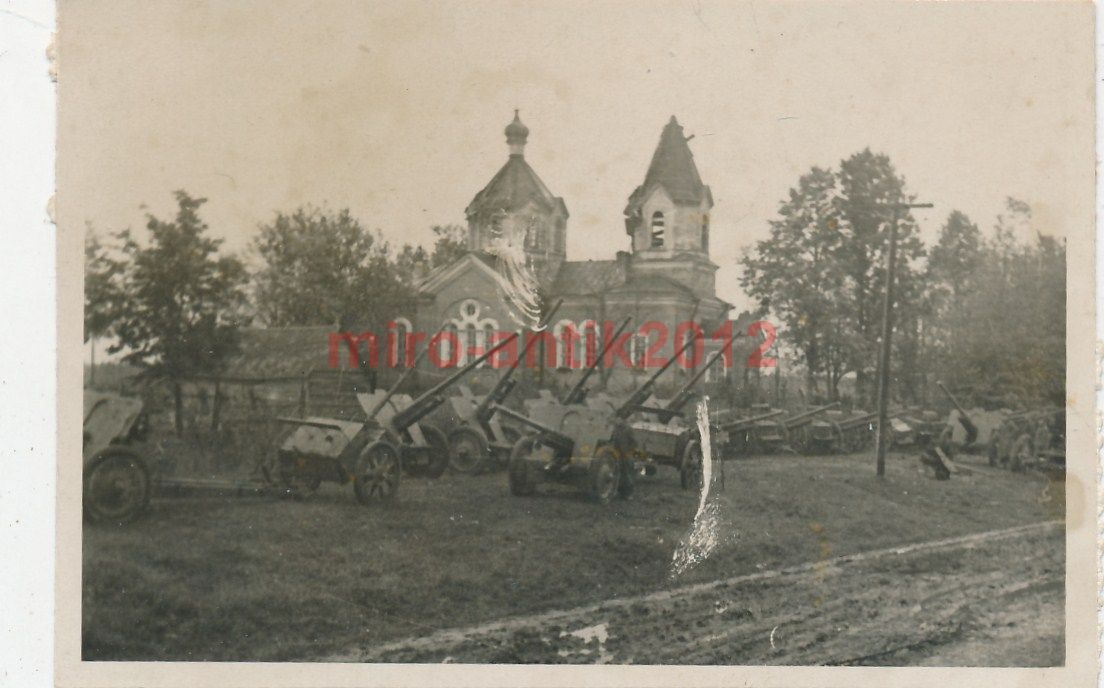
x=396, y=110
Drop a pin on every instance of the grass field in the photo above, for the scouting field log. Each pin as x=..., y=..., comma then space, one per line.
x=263, y=579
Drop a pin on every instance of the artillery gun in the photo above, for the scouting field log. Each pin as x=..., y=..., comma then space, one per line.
x=664, y=436
x=796, y=429
x=574, y=442
x=740, y=436
x=1024, y=438
x=370, y=454
x=481, y=437
x=839, y=433
x=117, y=480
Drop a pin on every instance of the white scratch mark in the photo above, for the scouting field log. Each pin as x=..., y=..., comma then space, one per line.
x=517, y=283
x=704, y=535
x=772, y=636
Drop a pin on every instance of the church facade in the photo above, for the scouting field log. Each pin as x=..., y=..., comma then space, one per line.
x=517, y=229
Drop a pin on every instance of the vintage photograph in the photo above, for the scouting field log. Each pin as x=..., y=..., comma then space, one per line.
x=612, y=333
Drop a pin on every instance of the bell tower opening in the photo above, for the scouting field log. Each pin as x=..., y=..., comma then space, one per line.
x=658, y=229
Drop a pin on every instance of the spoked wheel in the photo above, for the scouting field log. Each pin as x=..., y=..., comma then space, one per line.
x=690, y=468
x=522, y=481
x=469, y=451
x=604, y=474
x=377, y=474
x=116, y=488
x=438, y=452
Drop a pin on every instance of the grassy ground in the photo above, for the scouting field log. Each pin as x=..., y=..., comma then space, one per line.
x=265, y=579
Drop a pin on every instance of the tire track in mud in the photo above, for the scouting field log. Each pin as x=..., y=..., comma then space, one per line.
x=859, y=608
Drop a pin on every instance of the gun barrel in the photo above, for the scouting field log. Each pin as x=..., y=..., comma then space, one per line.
x=743, y=423
x=640, y=396
x=395, y=387
x=683, y=395
x=804, y=416
x=430, y=399
x=556, y=439
x=574, y=396
x=502, y=388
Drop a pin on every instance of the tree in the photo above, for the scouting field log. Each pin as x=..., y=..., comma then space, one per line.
x=822, y=271
x=450, y=244
x=954, y=260
x=796, y=275
x=101, y=292
x=323, y=268
x=179, y=303
x=868, y=186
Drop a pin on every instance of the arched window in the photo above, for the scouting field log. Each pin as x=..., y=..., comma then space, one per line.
x=447, y=342
x=589, y=347
x=567, y=352
x=469, y=342
x=705, y=233
x=399, y=343
x=486, y=339
x=659, y=227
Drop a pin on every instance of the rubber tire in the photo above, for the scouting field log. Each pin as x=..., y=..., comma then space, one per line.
x=439, y=453
x=136, y=502
x=604, y=474
x=466, y=438
x=690, y=466
x=518, y=470
x=378, y=473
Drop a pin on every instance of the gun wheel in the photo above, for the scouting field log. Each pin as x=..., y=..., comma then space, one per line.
x=605, y=474
x=690, y=468
x=469, y=451
x=438, y=451
x=116, y=488
x=377, y=473
x=519, y=470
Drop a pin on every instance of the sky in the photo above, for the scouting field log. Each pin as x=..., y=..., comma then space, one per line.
x=396, y=110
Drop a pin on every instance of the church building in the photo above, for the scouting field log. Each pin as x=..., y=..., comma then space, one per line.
x=517, y=231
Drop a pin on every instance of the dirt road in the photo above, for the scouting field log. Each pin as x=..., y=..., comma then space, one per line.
x=989, y=599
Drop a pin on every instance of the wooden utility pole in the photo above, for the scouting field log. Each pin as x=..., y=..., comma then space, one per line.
x=887, y=330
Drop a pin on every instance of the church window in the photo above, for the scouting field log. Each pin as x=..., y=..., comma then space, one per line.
x=567, y=344
x=469, y=343
x=658, y=229
x=705, y=233
x=534, y=235
x=589, y=346
x=398, y=351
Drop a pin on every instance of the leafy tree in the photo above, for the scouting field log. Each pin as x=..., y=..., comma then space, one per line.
x=822, y=271
x=796, y=275
x=179, y=303
x=323, y=268
x=868, y=186
x=954, y=260
x=451, y=243
x=101, y=292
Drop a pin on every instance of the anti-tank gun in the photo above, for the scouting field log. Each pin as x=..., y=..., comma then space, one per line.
x=571, y=441
x=481, y=438
x=371, y=454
